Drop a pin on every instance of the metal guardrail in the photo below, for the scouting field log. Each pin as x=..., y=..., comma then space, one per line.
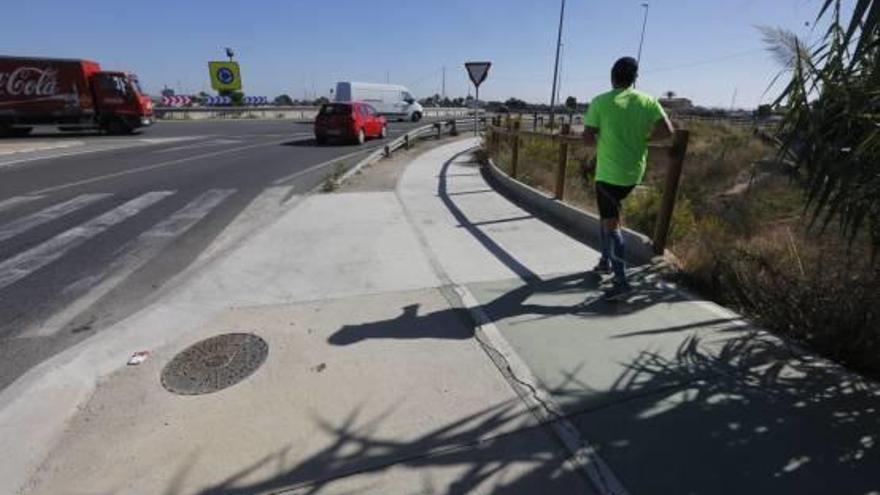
x=435, y=130
x=565, y=139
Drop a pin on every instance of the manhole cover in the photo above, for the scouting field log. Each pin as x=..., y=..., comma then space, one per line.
x=214, y=364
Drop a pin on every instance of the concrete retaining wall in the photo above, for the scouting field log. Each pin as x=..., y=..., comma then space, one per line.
x=579, y=224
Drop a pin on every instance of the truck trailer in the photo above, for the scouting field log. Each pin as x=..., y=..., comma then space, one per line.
x=72, y=95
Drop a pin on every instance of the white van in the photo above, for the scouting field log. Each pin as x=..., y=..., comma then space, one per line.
x=388, y=99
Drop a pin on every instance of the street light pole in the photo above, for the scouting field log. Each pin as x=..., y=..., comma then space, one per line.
x=644, y=25
x=556, y=67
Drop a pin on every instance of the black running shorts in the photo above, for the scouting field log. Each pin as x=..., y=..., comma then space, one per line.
x=609, y=197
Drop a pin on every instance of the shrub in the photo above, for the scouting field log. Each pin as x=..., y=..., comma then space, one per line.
x=641, y=209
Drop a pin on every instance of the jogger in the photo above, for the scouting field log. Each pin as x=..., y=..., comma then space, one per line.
x=620, y=123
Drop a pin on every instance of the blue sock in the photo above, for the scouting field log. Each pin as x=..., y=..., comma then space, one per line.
x=618, y=255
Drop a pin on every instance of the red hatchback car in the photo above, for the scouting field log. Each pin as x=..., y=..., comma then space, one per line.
x=353, y=121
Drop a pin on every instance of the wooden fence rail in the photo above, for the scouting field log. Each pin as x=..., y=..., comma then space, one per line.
x=511, y=131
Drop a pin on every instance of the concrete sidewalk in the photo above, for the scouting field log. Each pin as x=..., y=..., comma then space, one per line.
x=378, y=380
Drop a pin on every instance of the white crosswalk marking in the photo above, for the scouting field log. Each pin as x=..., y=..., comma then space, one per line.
x=133, y=256
x=46, y=215
x=10, y=203
x=22, y=265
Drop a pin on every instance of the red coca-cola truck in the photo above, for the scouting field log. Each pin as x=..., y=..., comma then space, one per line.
x=69, y=94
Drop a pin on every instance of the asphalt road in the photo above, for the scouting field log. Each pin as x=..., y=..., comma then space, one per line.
x=92, y=229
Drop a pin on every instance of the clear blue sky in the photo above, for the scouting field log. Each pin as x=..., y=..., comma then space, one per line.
x=702, y=49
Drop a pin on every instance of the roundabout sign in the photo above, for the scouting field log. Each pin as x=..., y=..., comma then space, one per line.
x=225, y=76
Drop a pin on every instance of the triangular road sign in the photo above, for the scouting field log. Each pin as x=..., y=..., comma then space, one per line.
x=478, y=71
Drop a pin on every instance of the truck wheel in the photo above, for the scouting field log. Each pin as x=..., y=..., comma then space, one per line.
x=20, y=131
x=118, y=127
x=360, y=138
x=416, y=116
x=384, y=133
x=321, y=140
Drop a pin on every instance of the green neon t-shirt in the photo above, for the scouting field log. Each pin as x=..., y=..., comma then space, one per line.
x=625, y=119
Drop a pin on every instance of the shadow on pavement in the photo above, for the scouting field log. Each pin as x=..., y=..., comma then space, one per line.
x=340, y=143
x=514, y=303
x=481, y=447
x=766, y=423
x=762, y=422
x=409, y=325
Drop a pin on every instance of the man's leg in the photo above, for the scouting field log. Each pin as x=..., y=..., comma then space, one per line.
x=613, y=199
x=617, y=250
x=605, y=206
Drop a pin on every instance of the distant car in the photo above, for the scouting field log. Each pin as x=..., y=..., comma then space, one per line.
x=350, y=121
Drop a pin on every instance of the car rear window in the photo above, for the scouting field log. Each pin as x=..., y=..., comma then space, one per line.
x=336, y=109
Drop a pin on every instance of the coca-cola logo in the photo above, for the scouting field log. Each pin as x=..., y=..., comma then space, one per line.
x=29, y=81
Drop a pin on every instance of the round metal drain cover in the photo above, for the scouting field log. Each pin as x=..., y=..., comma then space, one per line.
x=214, y=364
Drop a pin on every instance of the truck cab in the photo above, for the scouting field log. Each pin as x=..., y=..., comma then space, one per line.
x=120, y=104
x=69, y=94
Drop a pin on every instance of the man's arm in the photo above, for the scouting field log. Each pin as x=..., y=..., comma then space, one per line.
x=663, y=129
x=590, y=134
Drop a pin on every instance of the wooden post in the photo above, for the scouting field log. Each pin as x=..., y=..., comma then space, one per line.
x=493, y=140
x=670, y=190
x=514, y=156
x=563, y=161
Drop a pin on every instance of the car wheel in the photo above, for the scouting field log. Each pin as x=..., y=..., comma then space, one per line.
x=361, y=137
x=321, y=140
x=384, y=133
x=416, y=116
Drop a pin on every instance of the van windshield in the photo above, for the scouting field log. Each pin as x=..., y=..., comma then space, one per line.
x=336, y=110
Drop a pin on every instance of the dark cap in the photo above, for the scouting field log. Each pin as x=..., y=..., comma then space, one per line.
x=625, y=71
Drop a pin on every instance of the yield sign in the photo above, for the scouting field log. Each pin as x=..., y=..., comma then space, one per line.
x=478, y=71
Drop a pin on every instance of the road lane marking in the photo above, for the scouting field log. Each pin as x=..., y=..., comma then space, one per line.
x=133, y=256
x=118, y=145
x=206, y=144
x=8, y=204
x=46, y=215
x=224, y=141
x=155, y=166
x=18, y=267
x=288, y=178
